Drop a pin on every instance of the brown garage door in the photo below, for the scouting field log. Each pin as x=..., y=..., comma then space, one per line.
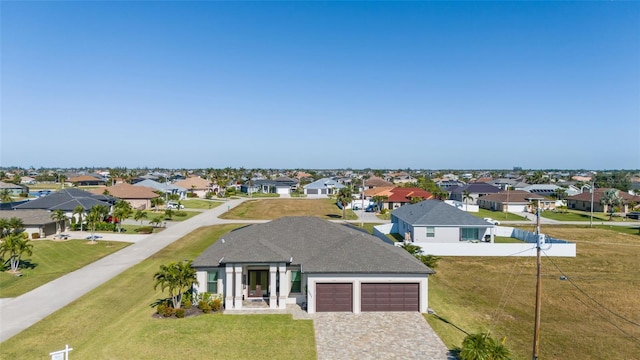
x=334, y=297
x=390, y=297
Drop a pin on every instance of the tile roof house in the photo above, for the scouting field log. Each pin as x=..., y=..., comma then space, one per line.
x=138, y=196
x=375, y=182
x=322, y=188
x=196, y=185
x=583, y=201
x=514, y=201
x=86, y=180
x=400, y=196
x=328, y=266
x=434, y=221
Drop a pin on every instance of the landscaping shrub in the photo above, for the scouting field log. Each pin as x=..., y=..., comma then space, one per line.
x=168, y=311
x=204, y=306
x=180, y=213
x=216, y=304
x=145, y=230
x=192, y=195
x=35, y=235
x=180, y=313
x=160, y=309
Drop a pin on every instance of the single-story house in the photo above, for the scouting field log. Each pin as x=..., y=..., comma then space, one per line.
x=195, y=185
x=323, y=187
x=475, y=191
x=434, y=221
x=375, y=182
x=282, y=185
x=139, y=197
x=165, y=188
x=326, y=266
x=583, y=201
x=27, y=180
x=514, y=201
x=87, y=180
x=35, y=221
x=400, y=196
x=14, y=189
x=67, y=200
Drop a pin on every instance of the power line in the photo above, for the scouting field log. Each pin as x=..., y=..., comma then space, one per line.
x=589, y=296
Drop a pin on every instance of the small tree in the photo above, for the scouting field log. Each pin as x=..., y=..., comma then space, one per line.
x=344, y=197
x=122, y=210
x=415, y=250
x=169, y=213
x=611, y=199
x=156, y=221
x=15, y=245
x=177, y=278
x=95, y=216
x=79, y=210
x=465, y=198
x=139, y=215
x=5, y=196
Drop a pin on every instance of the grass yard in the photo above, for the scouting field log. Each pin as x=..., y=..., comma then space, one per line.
x=152, y=214
x=505, y=240
x=51, y=260
x=273, y=209
x=574, y=215
x=114, y=321
x=497, y=215
x=499, y=294
x=200, y=204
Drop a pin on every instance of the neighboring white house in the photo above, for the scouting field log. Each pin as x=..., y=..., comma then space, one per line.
x=322, y=188
x=166, y=188
x=326, y=266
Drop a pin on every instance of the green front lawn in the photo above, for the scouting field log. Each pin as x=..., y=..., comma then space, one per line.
x=264, y=209
x=497, y=215
x=152, y=214
x=200, y=204
x=114, y=321
x=575, y=215
x=51, y=260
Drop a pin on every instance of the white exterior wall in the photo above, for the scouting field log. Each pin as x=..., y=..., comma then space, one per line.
x=357, y=279
x=442, y=234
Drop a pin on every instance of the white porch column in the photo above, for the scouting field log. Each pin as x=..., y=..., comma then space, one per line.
x=228, y=292
x=237, y=291
x=284, y=286
x=273, y=298
x=493, y=233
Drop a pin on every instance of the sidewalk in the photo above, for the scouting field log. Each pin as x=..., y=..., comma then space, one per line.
x=17, y=314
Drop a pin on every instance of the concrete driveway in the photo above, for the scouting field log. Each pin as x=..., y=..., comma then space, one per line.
x=376, y=335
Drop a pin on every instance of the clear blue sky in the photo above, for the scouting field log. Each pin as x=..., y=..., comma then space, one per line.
x=320, y=84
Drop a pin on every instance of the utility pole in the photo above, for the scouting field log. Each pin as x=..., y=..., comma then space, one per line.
x=593, y=183
x=362, y=207
x=536, y=329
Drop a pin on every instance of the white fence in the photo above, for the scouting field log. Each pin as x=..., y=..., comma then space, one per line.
x=462, y=206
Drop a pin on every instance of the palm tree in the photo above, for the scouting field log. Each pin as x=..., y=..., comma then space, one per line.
x=95, y=216
x=345, y=196
x=5, y=196
x=15, y=245
x=611, y=198
x=481, y=346
x=122, y=210
x=60, y=218
x=79, y=210
x=466, y=197
x=16, y=225
x=177, y=278
x=156, y=202
x=4, y=227
x=156, y=221
x=169, y=213
x=139, y=215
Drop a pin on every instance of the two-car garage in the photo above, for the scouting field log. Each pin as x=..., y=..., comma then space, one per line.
x=385, y=296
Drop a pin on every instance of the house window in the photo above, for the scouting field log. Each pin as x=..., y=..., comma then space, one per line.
x=431, y=231
x=296, y=281
x=469, y=234
x=212, y=282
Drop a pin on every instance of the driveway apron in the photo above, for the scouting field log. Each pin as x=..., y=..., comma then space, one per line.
x=376, y=335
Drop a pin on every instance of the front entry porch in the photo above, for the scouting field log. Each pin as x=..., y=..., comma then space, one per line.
x=256, y=286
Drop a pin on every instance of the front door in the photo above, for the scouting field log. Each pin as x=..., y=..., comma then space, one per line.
x=258, y=283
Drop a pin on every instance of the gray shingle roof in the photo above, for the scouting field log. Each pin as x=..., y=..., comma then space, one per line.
x=319, y=246
x=67, y=200
x=34, y=217
x=436, y=213
x=477, y=188
x=324, y=183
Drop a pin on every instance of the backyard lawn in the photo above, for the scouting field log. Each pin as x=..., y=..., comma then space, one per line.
x=114, y=321
x=51, y=260
x=499, y=294
x=497, y=215
x=273, y=209
x=574, y=215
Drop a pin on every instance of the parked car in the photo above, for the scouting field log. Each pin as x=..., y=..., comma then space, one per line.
x=634, y=215
x=111, y=219
x=491, y=221
x=174, y=205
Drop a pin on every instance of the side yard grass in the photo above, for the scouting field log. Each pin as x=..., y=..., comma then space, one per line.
x=498, y=294
x=114, y=321
x=575, y=215
x=497, y=215
x=273, y=209
x=51, y=260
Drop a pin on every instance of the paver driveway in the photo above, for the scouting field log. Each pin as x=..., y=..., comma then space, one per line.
x=376, y=335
